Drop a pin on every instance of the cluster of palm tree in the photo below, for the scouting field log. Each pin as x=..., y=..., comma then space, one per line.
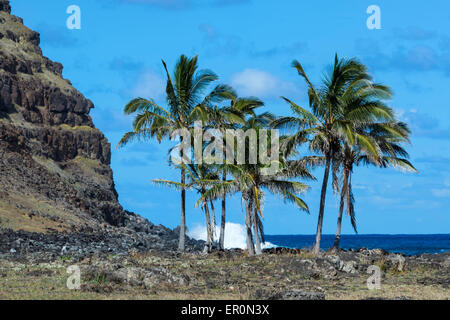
x=348, y=124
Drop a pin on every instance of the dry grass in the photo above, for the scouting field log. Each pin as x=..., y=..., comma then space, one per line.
x=236, y=277
x=28, y=213
x=77, y=128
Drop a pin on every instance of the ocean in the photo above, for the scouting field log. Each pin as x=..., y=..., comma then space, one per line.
x=408, y=244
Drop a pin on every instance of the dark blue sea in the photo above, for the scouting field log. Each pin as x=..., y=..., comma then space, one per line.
x=411, y=244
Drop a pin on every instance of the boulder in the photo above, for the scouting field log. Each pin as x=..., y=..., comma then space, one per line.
x=344, y=266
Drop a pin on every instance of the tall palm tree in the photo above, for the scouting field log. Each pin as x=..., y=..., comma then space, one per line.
x=224, y=118
x=186, y=102
x=387, y=139
x=328, y=122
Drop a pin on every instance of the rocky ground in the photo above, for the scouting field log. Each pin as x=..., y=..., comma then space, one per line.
x=138, y=234
x=277, y=274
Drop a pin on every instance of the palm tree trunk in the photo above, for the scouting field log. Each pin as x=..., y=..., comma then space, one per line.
x=248, y=226
x=208, y=228
x=222, y=224
x=181, y=242
x=337, y=239
x=316, y=248
x=255, y=230
x=213, y=221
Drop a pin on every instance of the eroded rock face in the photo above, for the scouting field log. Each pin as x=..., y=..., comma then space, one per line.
x=54, y=163
x=4, y=6
x=57, y=194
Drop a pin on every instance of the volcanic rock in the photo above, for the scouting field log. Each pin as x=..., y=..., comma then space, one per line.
x=54, y=163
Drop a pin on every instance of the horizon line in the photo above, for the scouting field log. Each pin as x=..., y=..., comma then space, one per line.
x=366, y=234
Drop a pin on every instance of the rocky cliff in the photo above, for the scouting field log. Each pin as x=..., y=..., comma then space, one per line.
x=54, y=163
x=54, y=170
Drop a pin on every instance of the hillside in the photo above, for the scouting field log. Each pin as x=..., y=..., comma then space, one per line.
x=54, y=164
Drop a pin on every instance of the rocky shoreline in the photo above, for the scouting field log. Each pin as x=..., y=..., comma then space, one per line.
x=140, y=235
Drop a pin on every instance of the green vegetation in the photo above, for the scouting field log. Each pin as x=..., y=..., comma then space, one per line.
x=33, y=214
x=85, y=128
x=348, y=124
x=65, y=258
x=88, y=162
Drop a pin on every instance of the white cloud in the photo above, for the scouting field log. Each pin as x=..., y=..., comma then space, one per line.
x=235, y=235
x=254, y=82
x=441, y=193
x=149, y=85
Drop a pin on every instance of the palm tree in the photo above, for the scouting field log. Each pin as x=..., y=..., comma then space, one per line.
x=328, y=122
x=230, y=117
x=386, y=138
x=186, y=103
x=199, y=178
x=250, y=180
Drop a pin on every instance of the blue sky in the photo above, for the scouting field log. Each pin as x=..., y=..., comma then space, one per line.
x=250, y=44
